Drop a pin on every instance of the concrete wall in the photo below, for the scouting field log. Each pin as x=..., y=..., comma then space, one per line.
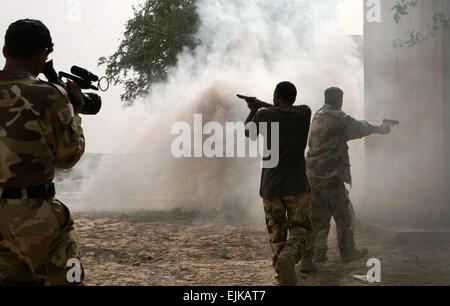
x=405, y=171
x=446, y=85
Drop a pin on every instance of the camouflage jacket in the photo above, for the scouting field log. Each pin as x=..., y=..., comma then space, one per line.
x=38, y=131
x=331, y=129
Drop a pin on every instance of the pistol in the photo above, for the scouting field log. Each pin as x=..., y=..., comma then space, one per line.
x=247, y=98
x=392, y=123
x=255, y=101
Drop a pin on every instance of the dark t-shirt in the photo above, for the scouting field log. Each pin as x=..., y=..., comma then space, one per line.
x=289, y=177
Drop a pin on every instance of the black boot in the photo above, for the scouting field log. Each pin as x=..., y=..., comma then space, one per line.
x=307, y=265
x=354, y=255
x=287, y=275
x=320, y=256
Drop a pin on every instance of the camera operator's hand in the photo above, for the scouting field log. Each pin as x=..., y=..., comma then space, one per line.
x=75, y=94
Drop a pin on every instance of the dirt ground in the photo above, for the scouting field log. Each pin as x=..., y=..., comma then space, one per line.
x=191, y=248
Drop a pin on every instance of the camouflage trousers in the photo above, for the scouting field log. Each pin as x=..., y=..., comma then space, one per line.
x=36, y=241
x=330, y=198
x=289, y=225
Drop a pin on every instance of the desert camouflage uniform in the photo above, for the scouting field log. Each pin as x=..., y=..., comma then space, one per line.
x=38, y=132
x=328, y=169
x=297, y=224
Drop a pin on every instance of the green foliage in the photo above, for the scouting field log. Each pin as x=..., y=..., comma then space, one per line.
x=158, y=32
x=440, y=20
x=401, y=8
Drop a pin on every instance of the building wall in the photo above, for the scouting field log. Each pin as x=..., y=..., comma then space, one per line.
x=446, y=85
x=405, y=170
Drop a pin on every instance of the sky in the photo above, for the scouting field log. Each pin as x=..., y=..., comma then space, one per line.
x=351, y=16
x=84, y=30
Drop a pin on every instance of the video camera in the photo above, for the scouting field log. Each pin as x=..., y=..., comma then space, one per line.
x=84, y=79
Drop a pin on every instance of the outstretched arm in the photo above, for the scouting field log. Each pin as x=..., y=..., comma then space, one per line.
x=356, y=129
x=262, y=104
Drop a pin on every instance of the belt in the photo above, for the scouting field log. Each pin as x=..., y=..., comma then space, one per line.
x=32, y=192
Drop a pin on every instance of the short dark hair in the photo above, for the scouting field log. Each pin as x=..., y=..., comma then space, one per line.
x=333, y=96
x=287, y=91
x=26, y=38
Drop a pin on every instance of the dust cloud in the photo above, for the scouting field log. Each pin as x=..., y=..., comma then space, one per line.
x=246, y=47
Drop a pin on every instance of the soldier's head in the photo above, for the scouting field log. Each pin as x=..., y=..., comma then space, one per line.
x=334, y=96
x=285, y=94
x=27, y=45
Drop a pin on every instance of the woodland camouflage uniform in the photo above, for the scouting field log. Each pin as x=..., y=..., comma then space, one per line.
x=38, y=132
x=328, y=169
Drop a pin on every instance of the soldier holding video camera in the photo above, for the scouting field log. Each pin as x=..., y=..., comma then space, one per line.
x=40, y=130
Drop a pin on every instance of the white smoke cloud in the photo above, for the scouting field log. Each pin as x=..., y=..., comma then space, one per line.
x=247, y=47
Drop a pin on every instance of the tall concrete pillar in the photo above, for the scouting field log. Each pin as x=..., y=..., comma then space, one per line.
x=446, y=86
x=405, y=170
